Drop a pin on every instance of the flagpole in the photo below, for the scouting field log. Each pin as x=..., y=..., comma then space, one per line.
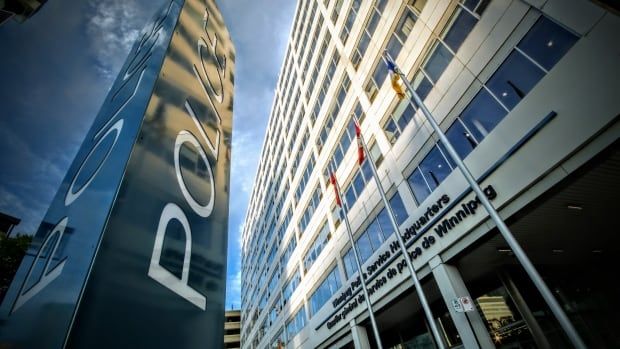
x=540, y=284
x=401, y=243
x=358, y=262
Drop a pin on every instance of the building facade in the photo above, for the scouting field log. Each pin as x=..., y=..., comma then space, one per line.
x=132, y=250
x=232, y=329
x=526, y=91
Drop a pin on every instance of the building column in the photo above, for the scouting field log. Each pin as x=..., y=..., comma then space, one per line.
x=470, y=326
x=360, y=337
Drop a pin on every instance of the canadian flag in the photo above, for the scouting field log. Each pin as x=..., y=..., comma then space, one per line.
x=332, y=179
x=360, y=145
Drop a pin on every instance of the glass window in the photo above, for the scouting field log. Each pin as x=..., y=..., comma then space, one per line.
x=296, y=323
x=350, y=196
x=547, y=42
x=376, y=154
x=437, y=61
x=462, y=141
x=367, y=171
x=398, y=207
x=349, y=263
x=385, y=222
x=291, y=285
x=482, y=114
x=364, y=247
x=461, y=23
x=418, y=186
x=325, y=291
x=317, y=246
x=391, y=131
x=374, y=234
x=514, y=79
x=435, y=168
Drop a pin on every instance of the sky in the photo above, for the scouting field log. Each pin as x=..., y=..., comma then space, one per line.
x=58, y=66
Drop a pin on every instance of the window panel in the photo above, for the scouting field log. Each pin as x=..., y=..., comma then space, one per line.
x=349, y=263
x=385, y=223
x=482, y=114
x=462, y=22
x=358, y=184
x=364, y=247
x=437, y=61
x=398, y=207
x=391, y=131
x=418, y=186
x=514, y=79
x=435, y=168
x=367, y=171
x=462, y=141
x=323, y=293
x=547, y=42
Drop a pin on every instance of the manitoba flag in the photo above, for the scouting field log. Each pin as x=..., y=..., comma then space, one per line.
x=395, y=80
x=360, y=145
x=332, y=179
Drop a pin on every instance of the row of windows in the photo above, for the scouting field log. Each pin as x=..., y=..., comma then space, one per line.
x=296, y=323
x=394, y=46
x=348, y=23
x=317, y=246
x=305, y=177
x=325, y=291
x=304, y=41
x=327, y=80
x=379, y=230
x=369, y=29
x=315, y=37
x=539, y=50
x=318, y=65
x=347, y=137
x=333, y=114
x=444, y=48
x=313, y=204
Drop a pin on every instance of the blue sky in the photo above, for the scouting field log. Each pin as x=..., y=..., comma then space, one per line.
x=58, y=66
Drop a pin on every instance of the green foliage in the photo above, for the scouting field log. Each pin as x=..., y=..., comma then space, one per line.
x=12, y=251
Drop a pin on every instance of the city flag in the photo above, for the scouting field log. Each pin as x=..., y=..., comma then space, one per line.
x=360, y=145
x=332, y=179
x=395, y=79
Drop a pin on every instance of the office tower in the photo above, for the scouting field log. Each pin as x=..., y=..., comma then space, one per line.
x=132, y=251
x=526, y=92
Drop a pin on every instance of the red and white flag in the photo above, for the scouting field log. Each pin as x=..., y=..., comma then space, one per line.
x=360, y=145
x=332, y=179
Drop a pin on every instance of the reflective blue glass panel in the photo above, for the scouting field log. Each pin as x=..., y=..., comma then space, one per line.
x=514, y=79
x=438, y=61
x=396, y=202
x=435, y=168
x=463, y=23
x=482, y=114
x=418, y=186
x=547, y=42
x=462, y=141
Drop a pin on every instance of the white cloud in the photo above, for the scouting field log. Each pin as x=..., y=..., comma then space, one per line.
x=113, y=29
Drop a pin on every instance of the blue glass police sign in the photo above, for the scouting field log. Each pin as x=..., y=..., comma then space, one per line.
x=132, y=251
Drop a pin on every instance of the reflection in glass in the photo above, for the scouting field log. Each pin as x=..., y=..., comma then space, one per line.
x=482, y=114
x=547, y=42
x=438, y=61
x=514, y=79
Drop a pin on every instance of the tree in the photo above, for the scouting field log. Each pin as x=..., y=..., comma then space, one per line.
x=12, y=251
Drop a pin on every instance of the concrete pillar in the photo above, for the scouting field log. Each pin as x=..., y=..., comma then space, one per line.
x=470, y=326
x=360, y=337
